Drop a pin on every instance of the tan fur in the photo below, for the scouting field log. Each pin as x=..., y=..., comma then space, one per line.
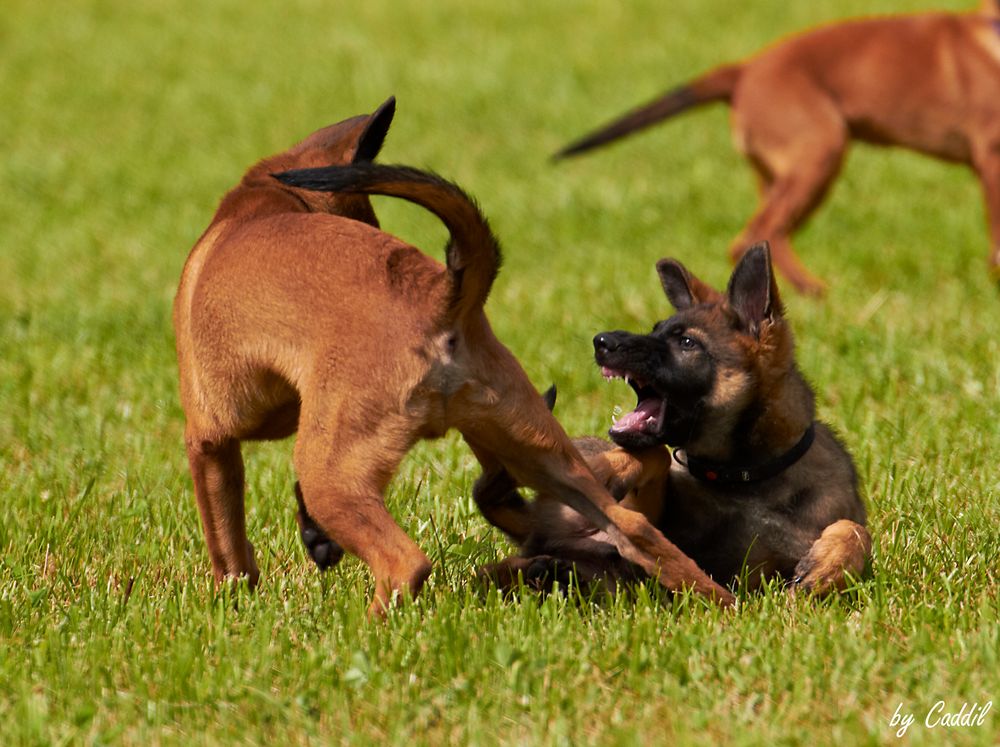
x=929, y=82
x=839, y=555
x=296, y=314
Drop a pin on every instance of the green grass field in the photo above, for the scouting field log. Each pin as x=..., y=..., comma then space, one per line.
x=123, y=124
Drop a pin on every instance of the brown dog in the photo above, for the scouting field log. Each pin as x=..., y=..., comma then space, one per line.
x=929, y=82
x=758, y=488
x=295, y=313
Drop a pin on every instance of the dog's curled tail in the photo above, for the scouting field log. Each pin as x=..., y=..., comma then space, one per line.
x=715, y=85
x=473, y=253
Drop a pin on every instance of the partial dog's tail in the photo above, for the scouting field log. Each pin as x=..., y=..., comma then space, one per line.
x=473, y=252
x=715, y=85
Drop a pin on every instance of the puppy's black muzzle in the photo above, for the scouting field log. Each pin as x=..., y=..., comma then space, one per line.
x=606, y=343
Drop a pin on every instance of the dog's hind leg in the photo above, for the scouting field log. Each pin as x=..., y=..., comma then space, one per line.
x=842, y=551
x=217, y=470
x=343, y=472
x=797, y=151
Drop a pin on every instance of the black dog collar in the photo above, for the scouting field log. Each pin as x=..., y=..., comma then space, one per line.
x=725, y=473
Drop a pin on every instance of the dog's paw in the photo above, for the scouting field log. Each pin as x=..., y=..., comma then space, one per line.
x=841, y=553
x=504, y=575
x=324, y=552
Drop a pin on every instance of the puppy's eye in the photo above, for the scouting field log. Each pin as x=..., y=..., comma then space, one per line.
x=687, y=343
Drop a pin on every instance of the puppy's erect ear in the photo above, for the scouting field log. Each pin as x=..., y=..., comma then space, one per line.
x=549, y=397
x=370, y=142
x=753, y=290
x=682, y=288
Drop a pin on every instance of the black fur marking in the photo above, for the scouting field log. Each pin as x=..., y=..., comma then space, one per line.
x=371, y=140
x=671, y=103
x=676, y=283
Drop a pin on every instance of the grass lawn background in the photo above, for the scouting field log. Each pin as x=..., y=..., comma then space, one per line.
x=122, y=125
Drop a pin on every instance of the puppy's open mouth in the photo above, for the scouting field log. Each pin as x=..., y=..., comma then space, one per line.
x=647, y=417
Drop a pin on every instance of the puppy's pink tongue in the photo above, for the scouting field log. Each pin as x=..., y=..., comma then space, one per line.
x=647, y=412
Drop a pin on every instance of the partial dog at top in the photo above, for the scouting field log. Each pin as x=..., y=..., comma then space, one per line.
x=757, y=487
x=295, y=313
x=929, y=82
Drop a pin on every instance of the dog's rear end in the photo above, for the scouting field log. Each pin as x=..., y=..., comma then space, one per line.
x=212, y=310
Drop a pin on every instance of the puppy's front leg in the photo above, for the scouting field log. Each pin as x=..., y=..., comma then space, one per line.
x=842, y=550
x=324, y=552
x=637, y=479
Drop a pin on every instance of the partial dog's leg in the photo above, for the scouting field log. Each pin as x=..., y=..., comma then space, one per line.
x=500, y=502
x=217, y=469
x=343, y=473
x=797, y=146
x=565, y=551
x=637, y=479
x=987, y=164
x=842, y=549
x=497, y=496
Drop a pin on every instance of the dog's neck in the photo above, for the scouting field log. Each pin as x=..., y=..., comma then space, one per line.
x=765, y=430
x=743, y=471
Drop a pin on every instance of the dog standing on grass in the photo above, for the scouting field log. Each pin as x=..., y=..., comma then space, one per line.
x=296, y=314
x=929, y=82
x=757, y=489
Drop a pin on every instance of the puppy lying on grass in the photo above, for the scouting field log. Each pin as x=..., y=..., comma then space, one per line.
x=757, y=487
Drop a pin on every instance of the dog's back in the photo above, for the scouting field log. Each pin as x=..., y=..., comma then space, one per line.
x=472, y=254
x=900, y=80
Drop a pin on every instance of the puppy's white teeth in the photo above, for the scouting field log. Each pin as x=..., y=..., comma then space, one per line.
x=609, y=373
x=628, y=379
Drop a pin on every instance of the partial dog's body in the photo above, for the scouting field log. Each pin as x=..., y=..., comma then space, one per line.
x=928, y=82
x=758, y=489
x=295, y=313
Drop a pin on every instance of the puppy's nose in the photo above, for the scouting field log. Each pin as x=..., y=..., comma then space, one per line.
x=605, y=343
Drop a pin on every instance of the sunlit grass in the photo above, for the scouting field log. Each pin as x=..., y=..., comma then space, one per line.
x=123, y=123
